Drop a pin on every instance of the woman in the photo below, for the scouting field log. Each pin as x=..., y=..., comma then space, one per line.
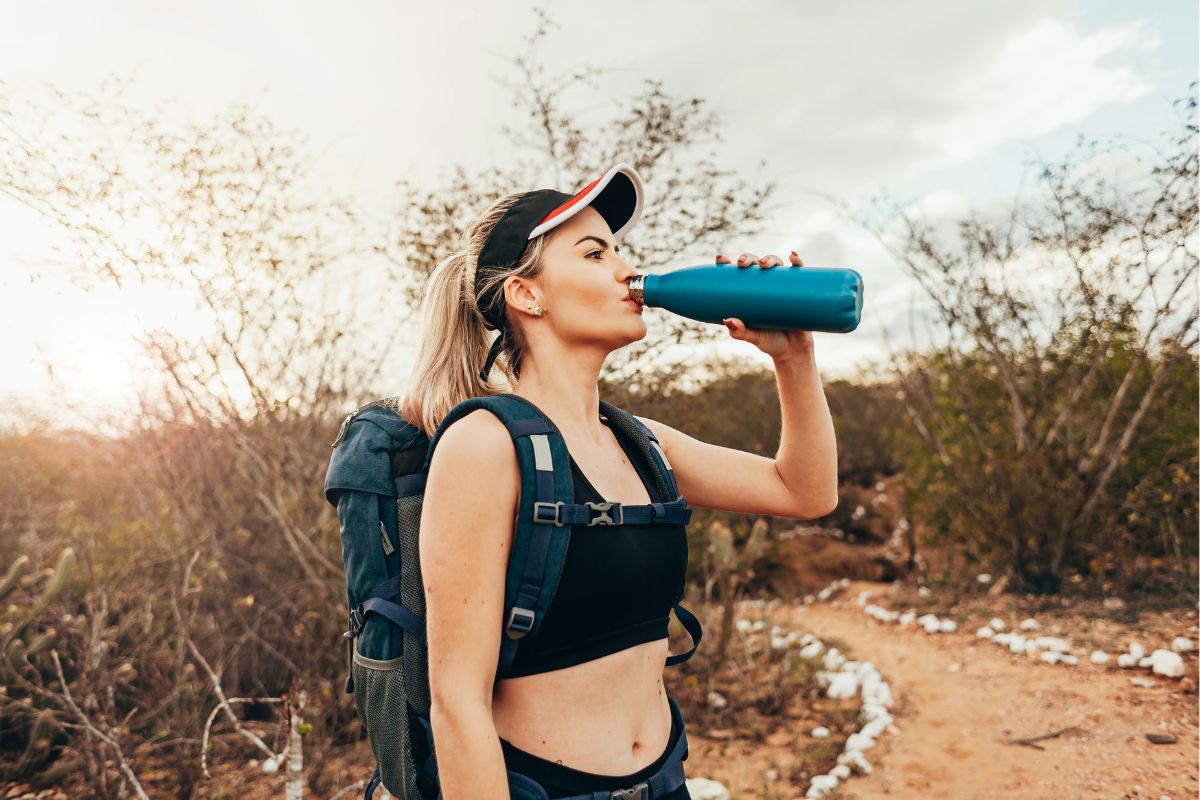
x=585, y=709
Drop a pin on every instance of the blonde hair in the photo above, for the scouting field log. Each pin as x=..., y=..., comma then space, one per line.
x=454, y=341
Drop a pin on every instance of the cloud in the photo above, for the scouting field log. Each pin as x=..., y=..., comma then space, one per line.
x=1045, y=78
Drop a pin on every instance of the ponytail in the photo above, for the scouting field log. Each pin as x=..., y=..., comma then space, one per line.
x=454, y=339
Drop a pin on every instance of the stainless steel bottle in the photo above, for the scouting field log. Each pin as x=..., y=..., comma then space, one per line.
x=791, y=298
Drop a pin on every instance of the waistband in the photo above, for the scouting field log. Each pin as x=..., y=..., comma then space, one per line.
x=559, y=778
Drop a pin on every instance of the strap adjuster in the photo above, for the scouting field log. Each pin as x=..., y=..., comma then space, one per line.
x=357, y=620
x=554, y=508
x=640, y=791
x=519, y=627
x=604, y=518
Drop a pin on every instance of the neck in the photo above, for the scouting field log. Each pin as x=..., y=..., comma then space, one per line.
x=564, y=385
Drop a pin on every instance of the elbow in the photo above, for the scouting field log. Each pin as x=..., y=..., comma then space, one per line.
x=458, y=713
x=818, y=510
x=456, y=696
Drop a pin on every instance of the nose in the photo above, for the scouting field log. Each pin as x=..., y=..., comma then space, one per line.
x=627, y=272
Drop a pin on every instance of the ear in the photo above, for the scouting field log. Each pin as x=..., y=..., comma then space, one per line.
x=522, y=292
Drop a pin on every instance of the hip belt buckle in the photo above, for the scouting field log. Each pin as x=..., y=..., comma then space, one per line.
x=639, y=792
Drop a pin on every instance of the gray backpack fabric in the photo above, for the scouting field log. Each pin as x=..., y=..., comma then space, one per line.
x=376, y=481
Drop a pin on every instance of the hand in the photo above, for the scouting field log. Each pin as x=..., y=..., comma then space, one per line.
x=779, y=344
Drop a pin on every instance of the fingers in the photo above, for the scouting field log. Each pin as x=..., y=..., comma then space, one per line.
x=766, y=262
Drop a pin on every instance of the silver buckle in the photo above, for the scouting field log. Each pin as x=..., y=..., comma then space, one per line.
x=516, y=628
x=639, y=792
x=539, y=505
x=605, y=518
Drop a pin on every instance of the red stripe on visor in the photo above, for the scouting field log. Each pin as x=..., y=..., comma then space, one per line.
x=572, y=202
x=616, y=195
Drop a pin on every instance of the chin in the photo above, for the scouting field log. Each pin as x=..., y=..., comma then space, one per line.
x=642, y=335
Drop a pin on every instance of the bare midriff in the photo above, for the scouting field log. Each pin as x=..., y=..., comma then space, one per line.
x=607, y=716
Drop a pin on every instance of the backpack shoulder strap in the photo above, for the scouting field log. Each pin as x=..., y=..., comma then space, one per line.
x=649, y=446
x=540, y=538
x=664, y=475
x=547, y=509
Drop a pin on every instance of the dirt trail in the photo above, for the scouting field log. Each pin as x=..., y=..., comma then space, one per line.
x=954, y=720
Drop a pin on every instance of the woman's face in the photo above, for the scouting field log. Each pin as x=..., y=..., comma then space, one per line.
x=585, y=281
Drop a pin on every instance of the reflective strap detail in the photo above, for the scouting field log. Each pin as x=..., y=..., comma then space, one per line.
x=521, y=616
x=542, y=459
x=692, y=625
x=661, y=453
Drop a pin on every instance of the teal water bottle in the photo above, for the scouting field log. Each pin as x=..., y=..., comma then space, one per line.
x=791, y=298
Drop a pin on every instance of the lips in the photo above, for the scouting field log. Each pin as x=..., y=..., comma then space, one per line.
x=634, y=303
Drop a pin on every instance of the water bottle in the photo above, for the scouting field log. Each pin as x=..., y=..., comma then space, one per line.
x=791, y=298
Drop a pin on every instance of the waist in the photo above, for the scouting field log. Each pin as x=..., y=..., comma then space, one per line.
x=561, y=715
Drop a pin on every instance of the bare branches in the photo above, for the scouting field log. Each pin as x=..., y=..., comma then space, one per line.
x=226, y=706
x=92, y=730
x=216, y=212
x=1066, y=319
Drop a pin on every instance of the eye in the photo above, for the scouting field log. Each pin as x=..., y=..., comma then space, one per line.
x=594, y=252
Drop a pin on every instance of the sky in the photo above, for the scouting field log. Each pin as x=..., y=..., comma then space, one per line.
x=937, y=102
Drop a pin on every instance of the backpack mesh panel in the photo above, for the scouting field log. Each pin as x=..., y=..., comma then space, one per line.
x=412, y=597
x=379, y=697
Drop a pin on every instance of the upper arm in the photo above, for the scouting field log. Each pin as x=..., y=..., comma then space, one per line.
x=464, y=545
x=728, y=479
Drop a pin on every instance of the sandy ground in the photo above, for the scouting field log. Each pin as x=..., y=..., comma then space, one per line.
x=962, y=698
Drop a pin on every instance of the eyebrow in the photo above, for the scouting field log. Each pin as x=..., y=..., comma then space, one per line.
x=598, y=240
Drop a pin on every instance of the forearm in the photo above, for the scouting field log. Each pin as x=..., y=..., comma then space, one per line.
x=470, y=761
x=807, y=457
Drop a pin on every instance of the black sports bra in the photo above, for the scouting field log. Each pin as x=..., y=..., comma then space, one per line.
x=618, y=585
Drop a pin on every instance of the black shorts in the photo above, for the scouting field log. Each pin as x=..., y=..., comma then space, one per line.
x=562, y=781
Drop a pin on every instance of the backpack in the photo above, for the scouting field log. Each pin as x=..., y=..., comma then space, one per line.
x=376, y=481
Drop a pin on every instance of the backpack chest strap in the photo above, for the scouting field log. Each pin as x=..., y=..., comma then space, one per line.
x=558, y=513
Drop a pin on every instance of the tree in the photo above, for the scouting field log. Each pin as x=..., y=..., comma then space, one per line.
x=1070, y=336
x=695, y=206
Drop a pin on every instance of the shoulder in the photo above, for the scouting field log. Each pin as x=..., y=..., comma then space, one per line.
x=476, y=445
x=663, y=432
x=477, y=430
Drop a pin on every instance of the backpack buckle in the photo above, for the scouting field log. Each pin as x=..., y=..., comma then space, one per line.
x=639, y=792
x=357, y=620
x=518, y=628
x=541, y=505
x=604, y=518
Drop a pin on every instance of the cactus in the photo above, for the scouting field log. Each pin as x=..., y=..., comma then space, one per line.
x=56, y=579
x=14, y=574
x=26, y=598
x=730, y=562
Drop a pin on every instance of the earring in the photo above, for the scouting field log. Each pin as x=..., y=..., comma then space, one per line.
x=537, y=311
